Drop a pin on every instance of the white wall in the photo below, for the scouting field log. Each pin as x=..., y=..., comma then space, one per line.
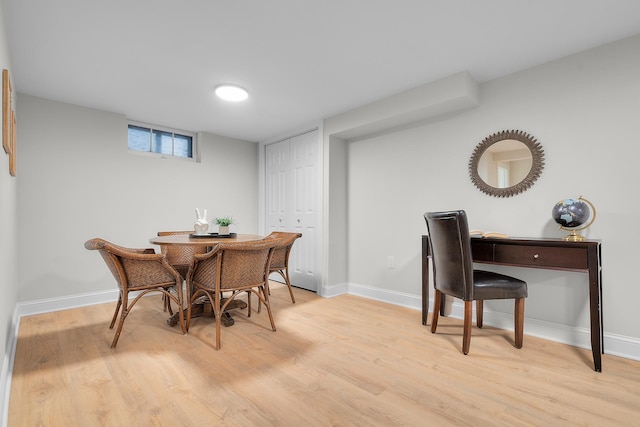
x=8, y=235
x=585, y=111
x=79, y=181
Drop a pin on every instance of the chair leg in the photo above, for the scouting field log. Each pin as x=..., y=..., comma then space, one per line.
x=218, y=315
x=249, y=303
x=166, y=301
x=115, y=313
x=436, y=310
x=179, y=303
x=267, y=303
x=479, y=312
x=219, y=312
x=123, y=316
x=288, y=282
x=194, y=295
x=466, y=336
x=262, y=291
x=266, y=288
x=188, y=320
x=519, y=322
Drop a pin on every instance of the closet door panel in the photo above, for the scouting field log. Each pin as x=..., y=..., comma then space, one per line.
x=293, y=183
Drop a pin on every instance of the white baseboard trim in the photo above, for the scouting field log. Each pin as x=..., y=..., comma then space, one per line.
x=7, y=367
x=384, y=295
x=330, y=291
x=64, y=303
x=617, y=345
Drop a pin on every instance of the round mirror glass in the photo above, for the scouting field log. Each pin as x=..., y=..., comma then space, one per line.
x=506, y=163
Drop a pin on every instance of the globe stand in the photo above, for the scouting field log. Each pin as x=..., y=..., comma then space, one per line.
x=574, y=236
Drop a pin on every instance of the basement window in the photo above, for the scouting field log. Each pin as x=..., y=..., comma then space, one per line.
x=161, y=141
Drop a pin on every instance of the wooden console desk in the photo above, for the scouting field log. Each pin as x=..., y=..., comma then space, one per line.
x=552, y=254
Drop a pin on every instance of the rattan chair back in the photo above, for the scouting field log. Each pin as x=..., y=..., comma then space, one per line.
x=180, y=256
x=280, y=259
x=235, y=268
x=139, y=270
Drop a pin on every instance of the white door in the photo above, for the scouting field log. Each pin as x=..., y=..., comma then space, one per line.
x=277, y=170
x=292, y=198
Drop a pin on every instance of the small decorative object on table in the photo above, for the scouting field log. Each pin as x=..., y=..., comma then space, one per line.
x=223, y=223
x=201, y=225
x=574, y=215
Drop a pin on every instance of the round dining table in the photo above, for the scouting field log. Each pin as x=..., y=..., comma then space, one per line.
x=204, y=308
x=209, y=239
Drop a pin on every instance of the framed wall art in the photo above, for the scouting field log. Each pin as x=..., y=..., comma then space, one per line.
x=7, y=105
x=8, y=122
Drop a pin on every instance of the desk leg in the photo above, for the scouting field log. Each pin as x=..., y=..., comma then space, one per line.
x=425, y=279
x=595, y=305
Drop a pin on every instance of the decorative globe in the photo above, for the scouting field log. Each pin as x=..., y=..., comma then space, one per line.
x=574, y=215
x=571, y=212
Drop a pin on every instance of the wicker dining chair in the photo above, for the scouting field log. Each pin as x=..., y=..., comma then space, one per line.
x=280, y=259
x=138, y=270
x=180, y=257
x=233, y=267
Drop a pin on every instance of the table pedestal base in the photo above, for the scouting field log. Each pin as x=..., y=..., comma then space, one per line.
x=204, y=309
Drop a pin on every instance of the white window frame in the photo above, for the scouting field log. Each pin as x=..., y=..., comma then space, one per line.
x=193, y=136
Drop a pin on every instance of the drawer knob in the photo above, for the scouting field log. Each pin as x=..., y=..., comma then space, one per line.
x=535, y=256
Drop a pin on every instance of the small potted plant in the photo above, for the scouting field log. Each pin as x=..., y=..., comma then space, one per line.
x=223, y=224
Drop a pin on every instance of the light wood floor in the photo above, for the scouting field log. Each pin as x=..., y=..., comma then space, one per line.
x=342, y=361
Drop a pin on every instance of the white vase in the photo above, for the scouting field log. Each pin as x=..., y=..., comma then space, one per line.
x=202, y=225
x=223, y=230
x=201, y=228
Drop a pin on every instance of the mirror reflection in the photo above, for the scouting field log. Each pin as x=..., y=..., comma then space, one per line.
x=505, y=163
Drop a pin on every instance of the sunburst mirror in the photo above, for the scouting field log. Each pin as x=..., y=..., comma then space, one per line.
x=506, y=163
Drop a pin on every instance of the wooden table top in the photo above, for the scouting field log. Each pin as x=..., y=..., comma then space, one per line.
x=186, y=239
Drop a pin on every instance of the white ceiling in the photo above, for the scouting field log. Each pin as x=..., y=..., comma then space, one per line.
x=158, y=61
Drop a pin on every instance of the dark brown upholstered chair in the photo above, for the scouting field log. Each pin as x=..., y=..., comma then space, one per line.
x=235, y=267
x=180, y=257
x=140, y=270
x=280, y=259
x=453, y=274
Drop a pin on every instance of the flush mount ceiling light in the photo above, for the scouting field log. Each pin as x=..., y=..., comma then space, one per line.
x=230, y=92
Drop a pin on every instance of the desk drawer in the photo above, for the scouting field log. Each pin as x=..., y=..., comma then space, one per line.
x=542, y=256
